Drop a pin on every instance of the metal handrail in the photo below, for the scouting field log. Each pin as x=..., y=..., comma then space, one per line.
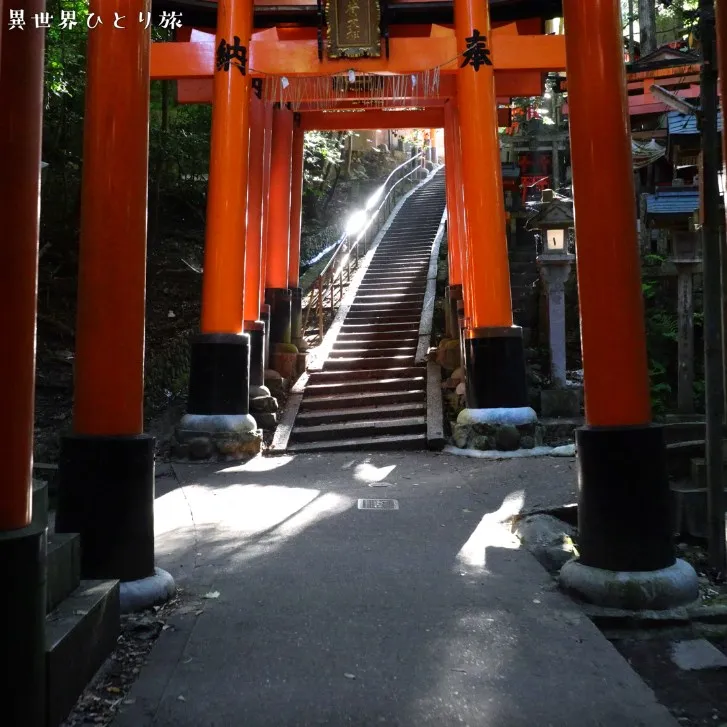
x=354, y=241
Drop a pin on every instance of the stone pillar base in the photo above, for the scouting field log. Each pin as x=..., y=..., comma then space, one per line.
x=221, y=437
x=219, y=374
x=503, y=430
x=494, y=360
x=106, y=495
x=146, y=592
x=676, y=585
x=22, y=614
x=279, y=300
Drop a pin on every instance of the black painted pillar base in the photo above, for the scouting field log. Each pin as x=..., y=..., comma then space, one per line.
x=22, y=615
x=256, y=331
x=106, y=494
x=279, y=300
x=624, y=510
x=494, y=360
x=265, y=318
x=219, y=374
x=296, y=318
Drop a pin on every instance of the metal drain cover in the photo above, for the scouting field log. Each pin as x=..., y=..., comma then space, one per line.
x=375, y=504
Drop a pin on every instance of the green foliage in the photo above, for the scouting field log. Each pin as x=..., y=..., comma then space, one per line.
x=321, y=150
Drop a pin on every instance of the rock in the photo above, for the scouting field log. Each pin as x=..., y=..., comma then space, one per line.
x=180, y=450
x=561, y=402
x=566, y=450
x=448, y=354
x=266, y=420
x=527, y=442
x=461, y=389
x=200, y=448
x=697, y=654
x=461, y=434
x=507, y=438
x=458, y=374
x=550, y=540
x=263, y=404
x=482, y=442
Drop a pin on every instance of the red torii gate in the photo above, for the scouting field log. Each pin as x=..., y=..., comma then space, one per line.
x=107, y=463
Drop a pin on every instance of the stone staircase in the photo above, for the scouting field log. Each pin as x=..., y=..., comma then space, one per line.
x=370, y=392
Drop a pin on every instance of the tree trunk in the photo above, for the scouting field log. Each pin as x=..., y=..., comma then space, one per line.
x=647, y=26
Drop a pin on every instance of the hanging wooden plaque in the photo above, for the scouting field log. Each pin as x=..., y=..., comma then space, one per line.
x=354, y=28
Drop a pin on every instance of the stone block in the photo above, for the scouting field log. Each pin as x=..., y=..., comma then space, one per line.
x=697, y=655
x=561, y=402
x=200, y=448
x=285, y=364
x=266, y=420
x=507, y=438
x=300, y=364
x=263, y=404
x=550, y=540
x=80, y=634
x=448, y=354
x=64, y=567
x=689, y=507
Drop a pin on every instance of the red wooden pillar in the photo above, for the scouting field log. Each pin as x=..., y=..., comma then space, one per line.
x=296, y=209
x=277, y=293
x=106, y=471
x=254, y=327
x=22, y=531
x=220, y=356
x=454, y=236
x=624, y=503
x=267, y=157
x=494, y=354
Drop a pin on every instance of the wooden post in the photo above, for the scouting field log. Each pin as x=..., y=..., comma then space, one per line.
x=685, y=313
x=106, y=469
x=494, y=354
x=22, y=532
x=277, y=293
x=624, y=503
x=296, y=208
x=220, y=359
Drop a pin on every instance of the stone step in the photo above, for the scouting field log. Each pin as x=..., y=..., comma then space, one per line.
x=372, y=351
x=357, y=363
x=348, y=347
x=64, y=567
x=378, y=321
x=390, y=383
x=357, y=334
x=386, y=306
x=331, y=416
x=387, y=442
x=359, y=428
x=366, y=298
x=391, y=372
x=80, y=634
x=338, y=402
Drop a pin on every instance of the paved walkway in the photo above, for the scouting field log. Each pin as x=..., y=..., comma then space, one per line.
x=331, y=615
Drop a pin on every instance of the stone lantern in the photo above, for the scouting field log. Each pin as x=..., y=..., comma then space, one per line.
x=554, y=221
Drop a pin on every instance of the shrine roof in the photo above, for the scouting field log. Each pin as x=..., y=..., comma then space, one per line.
x=673, y=201
x=680, y=124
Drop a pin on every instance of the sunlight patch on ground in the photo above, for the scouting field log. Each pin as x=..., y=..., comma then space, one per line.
x=259, y=464
x=366, y=472
x=247, y=520
x=491, y=532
